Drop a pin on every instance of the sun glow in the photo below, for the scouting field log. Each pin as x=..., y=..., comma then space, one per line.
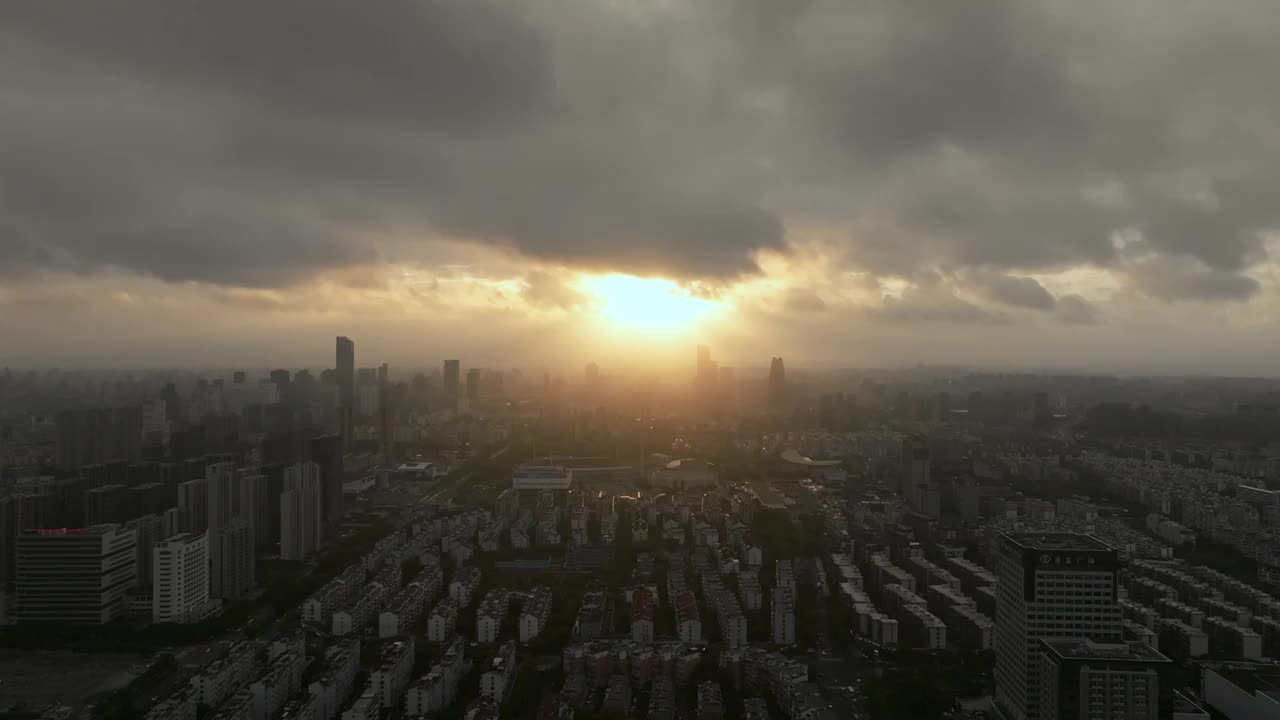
x=628, y=302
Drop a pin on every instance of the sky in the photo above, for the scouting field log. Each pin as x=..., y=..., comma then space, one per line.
x=1013, y=183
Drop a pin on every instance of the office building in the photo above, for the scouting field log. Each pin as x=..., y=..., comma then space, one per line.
x=451, y=380
x=1084, y=679
x=1050, y=585
x=78, y=576
x=180, y=591
x=301, y=521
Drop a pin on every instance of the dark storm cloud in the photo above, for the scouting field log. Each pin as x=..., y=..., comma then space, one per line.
x=257, y=144
x=1018, y=292
x=399, y=63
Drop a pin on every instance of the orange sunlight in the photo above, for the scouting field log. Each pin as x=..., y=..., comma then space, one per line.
x=629, y=303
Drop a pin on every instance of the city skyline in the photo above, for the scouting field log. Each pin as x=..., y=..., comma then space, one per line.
x=657, y=359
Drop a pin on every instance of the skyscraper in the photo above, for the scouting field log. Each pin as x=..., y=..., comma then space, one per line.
x=346, y=366
x=451, y=380
x=473, y=385
x=777, y=384
x=300, y=518
x=1052, y=585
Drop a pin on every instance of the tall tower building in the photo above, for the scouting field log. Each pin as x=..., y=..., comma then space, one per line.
x=326, y=451
x=181, y=578
x=473, y=385
x=1054, y=585
x=777, y=384
x=346, y=367
x=300, y=512
x=451, y=380
x=74, y=576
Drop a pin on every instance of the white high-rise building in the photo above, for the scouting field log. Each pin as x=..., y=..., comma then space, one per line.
x=301, y=521
x=180, y=588
x=1051, y=585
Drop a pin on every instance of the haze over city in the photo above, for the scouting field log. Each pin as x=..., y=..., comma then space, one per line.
x=870, y=183
x=639, y=360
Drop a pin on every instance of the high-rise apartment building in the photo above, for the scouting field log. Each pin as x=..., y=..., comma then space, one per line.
x=452, y=371
x=326, y=451
x=78, y=576
x=254, y=507
x=180, y=589
x=193, y=506
x=222, y=482
x=301, y=520
x=1051, y=585
x=232, y=561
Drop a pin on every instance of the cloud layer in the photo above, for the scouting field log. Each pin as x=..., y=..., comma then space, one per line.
x=970, y=155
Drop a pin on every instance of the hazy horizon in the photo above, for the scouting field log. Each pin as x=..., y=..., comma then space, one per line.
x=845, y=184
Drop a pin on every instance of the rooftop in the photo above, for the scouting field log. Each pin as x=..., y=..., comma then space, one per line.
x=1056, y=541
x=1253, y=679
x=1086, y=649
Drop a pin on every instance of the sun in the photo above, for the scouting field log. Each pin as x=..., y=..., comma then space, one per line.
x=635, y=303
